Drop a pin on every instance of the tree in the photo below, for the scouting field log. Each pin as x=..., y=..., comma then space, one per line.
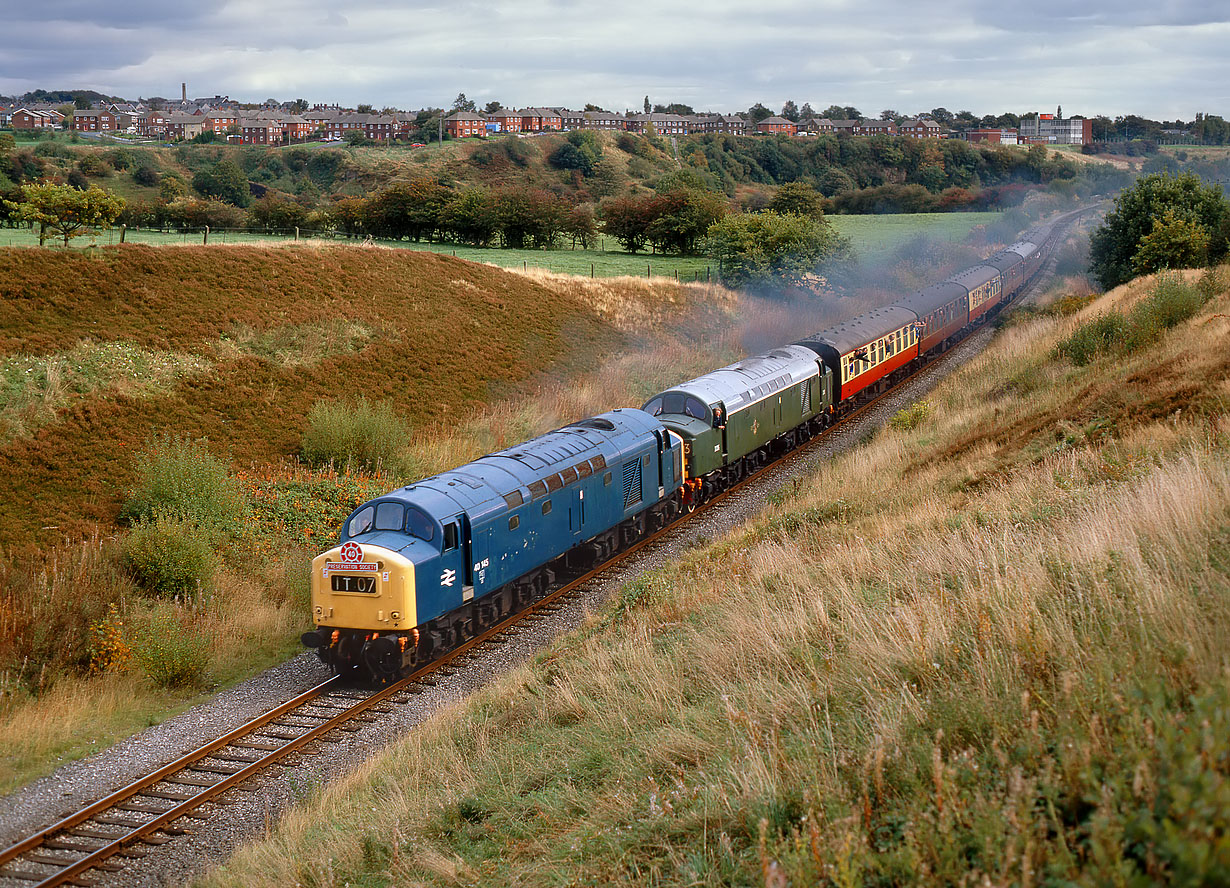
x=461, y=103
x=226, y=181
x=765, y=250
x=67, y=211
x=647, y=106
x=364, y=109
x=298, y=106
x=471, y=217
x=798, y=198
x=492, y=107
x=591, y=107
x=1158, y=197
x=1173, y=243
x=757, y=113
x=941, y=115
x=842, y=112
x=807, y=112
x=627, y=220
x=889, y=114
x=790, y=111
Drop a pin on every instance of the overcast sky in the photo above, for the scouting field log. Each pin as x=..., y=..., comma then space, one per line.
x=1160, y=58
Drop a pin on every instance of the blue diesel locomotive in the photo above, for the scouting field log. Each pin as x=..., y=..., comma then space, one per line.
x=424, y=567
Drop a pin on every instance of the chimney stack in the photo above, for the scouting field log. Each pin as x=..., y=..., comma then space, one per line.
x=183, y=87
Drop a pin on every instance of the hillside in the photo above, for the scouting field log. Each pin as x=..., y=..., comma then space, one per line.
x=106, y=351
x=990, y=644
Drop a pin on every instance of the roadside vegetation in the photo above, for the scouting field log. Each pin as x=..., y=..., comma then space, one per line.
x=990, y=644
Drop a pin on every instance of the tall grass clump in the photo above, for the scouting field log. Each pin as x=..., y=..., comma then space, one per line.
x=1171, y=302
x=168, y=556
x=365, y=436
x=172, y=653
x=181, y=480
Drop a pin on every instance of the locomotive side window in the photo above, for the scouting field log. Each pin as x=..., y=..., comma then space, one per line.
x=362, y=522
x=418, y=525
x=389, y=516
x=514, y=522
x=546, y=508
x=451, y=536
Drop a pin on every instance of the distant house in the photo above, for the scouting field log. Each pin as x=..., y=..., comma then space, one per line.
x=37, y=118
x=465, y=123
x=152, y=123
x=777, y=125
x=184, y=126
x=535, y=120
x=816, y=126
x=220, y=121
x=602, y=120
x=662, y=124
x=921, y=128
x=875, y=128
x=509, y=121
x=845, y=126
x=93, y=120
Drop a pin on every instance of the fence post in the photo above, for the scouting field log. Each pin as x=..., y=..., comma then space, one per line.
x=646, y=270
x=123, y=231
x=591, y=271
x=676, y=275
x=296, y=232
x=706, y=274
x=206, y=240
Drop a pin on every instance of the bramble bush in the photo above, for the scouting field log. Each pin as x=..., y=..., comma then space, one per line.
x=171, y=653
x=365, y=436
x=182, y=480
x=168, y=556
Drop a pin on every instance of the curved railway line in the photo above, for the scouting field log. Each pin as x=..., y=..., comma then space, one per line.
x=152, y=810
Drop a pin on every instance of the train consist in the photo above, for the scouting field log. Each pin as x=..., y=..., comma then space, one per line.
x=422, y=568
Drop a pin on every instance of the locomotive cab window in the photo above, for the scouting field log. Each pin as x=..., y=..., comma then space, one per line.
x=390, y=516
x=677, y=403
x=419, y=525
x=362, y=522
x=452, y=534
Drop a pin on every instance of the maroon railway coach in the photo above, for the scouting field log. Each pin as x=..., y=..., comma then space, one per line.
x=863, y=351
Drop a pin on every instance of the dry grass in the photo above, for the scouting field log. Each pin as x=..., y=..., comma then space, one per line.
x=988, y=649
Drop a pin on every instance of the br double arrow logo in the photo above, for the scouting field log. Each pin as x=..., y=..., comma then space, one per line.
x=448, y=577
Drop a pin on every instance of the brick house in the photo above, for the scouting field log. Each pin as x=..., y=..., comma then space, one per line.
x=662, y=124
x=538, y=119
x=920, y=128
x=93, y=120
x=221, y=120
x=296, y=128
x=816, y=126
x=37, y=118
x=777, y=125
x=152, y=123
x=465, y=123
x=184, y=126
x=602, y=120
x=875, y=128
x=509, y=120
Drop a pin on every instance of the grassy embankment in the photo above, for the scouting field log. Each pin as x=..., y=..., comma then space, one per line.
x=988, y=645
x=238, y=344
x=105, y=353
x=875, y=238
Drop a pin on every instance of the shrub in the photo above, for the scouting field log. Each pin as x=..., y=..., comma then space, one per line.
x=171, y=653
x=182, y=480
x=363, y=436
x=146, y=175
x=1093, y=338
x=168, y=556
x=911, y=417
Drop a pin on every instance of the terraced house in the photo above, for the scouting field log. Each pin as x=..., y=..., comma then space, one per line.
x=94, y=120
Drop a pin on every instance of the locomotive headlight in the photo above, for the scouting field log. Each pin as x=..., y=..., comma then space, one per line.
x=396, y=615
x=319, y=610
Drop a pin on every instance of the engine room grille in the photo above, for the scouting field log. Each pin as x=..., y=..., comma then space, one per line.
x=632, y=483
x=807, y=397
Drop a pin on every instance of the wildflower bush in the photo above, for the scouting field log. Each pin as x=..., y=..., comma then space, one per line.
x=362, y=436
x=171, y=652
x=180, y=479
x=168, y=556
x=109, y=652
x=305, y=505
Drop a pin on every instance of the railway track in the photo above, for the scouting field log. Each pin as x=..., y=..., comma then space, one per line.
x=162, y=805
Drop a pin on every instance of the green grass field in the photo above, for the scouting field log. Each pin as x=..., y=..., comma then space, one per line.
x=874, y=237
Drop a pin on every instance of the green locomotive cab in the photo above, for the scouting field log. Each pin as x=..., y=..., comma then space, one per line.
x=732, y=419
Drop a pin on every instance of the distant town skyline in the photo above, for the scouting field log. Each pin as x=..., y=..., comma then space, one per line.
x=1163, y=61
